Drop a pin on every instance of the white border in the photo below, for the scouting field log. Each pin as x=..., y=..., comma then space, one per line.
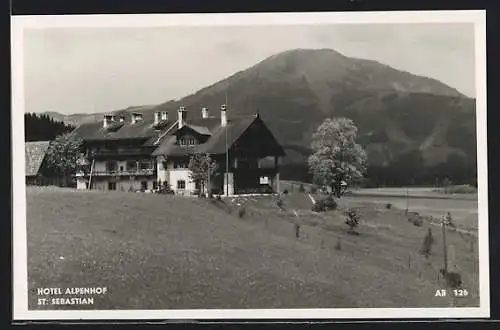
x=20, y=294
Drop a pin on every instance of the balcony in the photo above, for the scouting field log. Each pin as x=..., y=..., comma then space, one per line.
x=134, y=172
x=122, y=152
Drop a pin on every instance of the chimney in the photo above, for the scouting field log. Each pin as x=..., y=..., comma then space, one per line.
x=164, y=115
x=136, y=116
x=181, y=116
x=157, y=118
x=223, y=115
x=108, y=120
x=204, y=112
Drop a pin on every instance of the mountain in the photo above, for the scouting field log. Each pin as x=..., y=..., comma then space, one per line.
x=397, y=113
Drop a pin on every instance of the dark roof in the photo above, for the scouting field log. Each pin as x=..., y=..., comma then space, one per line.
x=216, y=144
x=211, y=123
x=169, y=147
x=162, y=135
x=140, y=130
x=35, y=154
x=234, y=129
x=203, y=130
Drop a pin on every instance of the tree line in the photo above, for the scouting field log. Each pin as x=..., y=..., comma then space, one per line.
x=41, y=127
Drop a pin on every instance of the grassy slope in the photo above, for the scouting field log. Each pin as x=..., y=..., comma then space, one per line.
x=165, y=252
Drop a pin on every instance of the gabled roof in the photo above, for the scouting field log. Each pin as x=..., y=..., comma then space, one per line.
x=234, y=129
x=216, y=144
x=35, y=154
x=163, y=137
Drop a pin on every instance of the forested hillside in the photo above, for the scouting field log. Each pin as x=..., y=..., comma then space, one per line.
x=42, y=127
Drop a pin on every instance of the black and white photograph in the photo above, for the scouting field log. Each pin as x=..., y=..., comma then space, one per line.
x=239, y=166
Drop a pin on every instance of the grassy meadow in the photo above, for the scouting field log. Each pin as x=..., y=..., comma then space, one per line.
x=167, y=252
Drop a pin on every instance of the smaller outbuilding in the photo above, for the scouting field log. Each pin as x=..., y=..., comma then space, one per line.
x=34, y=162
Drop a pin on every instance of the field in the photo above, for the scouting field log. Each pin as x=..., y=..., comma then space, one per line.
x=167, y=252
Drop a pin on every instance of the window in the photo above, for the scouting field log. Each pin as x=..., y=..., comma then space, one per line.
x=131, y=165
x=144, y=185
x=181, y=184
x=111, y=166
x=145, y=165
x=111, y=185
x=187, y=140
x=180, y=164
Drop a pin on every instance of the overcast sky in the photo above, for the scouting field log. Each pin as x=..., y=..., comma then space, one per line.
x=74, y=70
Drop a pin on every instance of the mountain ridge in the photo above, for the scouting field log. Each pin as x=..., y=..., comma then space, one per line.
x=397, y=112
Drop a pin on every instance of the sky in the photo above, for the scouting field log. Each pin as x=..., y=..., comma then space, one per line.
x=85, y=70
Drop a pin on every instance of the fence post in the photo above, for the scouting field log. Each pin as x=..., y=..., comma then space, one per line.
x=445, y=249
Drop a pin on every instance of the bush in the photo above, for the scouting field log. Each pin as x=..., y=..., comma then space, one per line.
x=419, y=222
x=447, y=182
x=218, y=198
x=448, y=220
x=325, y=204
x=165, y=188
x=460, y=189
x=241, y=212
x=352, y=219
x=280, y=204
x=338, y=245
x=427, y=244
x=388, y=206
x=301, y=188
x=313, y=189
x=285, y=192
x=412, y=216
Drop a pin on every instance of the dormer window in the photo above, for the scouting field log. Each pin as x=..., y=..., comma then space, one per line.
x=187, y=141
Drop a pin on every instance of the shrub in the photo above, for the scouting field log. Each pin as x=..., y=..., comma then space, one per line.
x=352, y=219
x=165, y=188
x=412, y=216
x=453, y=279
x=460, y=189
x=301, y=188
x=388, y=206
x=448, y=220
x=219, y=198
x=285, y=191
x=419, y=222
x=325, y=204
x=297, y=230
x=280, y=204
x=427, y=244
x=447, y=182
x=241, y=212
x=338, y=245
x=313, y=189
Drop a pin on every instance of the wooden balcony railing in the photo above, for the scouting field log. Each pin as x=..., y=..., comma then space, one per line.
x=135, y=172
x=122, y=152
